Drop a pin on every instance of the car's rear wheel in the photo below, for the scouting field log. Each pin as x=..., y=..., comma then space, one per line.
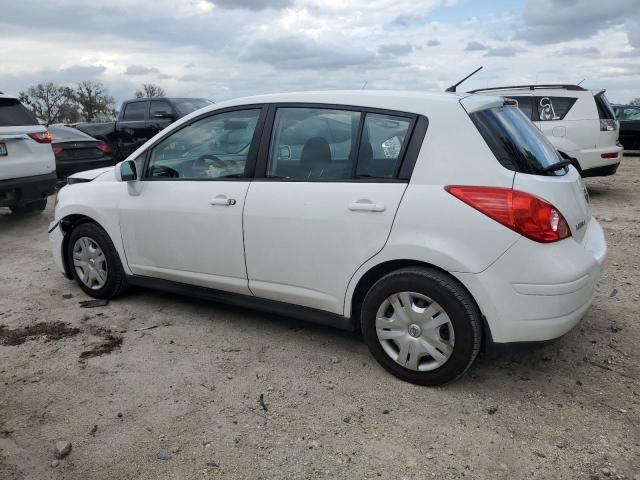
x=33, y=207
x=421, y=325
x=95, y=263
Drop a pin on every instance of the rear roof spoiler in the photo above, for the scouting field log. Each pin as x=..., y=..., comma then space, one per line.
x=531, y=87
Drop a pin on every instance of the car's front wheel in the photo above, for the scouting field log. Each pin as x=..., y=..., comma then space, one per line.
x=421, y=325
x=94, y=262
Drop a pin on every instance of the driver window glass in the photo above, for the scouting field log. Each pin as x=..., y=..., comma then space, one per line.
x=383, y=140
x=213, y=147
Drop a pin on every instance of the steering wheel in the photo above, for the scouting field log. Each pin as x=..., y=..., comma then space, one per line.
x=204, y=161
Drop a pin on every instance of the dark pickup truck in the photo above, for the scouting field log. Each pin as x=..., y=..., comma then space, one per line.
x=139, y=120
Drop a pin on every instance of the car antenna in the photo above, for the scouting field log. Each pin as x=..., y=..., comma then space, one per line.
x=452, y=88
x=580, y=82
x=364, y=85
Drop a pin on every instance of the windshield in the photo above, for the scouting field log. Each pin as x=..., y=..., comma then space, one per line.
x=515, y=141
x=13, y=113
x=188, y=105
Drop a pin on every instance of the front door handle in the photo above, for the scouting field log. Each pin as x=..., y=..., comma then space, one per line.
x=222, y=200
x=366, y=206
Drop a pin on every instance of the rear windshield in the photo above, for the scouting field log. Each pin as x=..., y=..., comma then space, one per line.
x=515, y=141
x=605, y=112
x=67, y=133
x=13, y=113
x=187, y=106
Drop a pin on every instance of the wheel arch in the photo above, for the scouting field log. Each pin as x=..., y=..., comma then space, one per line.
x=67, y=225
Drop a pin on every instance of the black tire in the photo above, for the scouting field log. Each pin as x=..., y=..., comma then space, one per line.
x=116, y=283
x=453, y=298
x=34, y=207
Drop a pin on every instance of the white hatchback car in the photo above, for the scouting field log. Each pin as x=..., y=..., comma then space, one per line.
x=428, y=221
x=579, y=123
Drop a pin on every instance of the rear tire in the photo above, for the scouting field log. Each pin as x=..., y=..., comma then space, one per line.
x=94, y=262
x=30, y=208
x=421, y=325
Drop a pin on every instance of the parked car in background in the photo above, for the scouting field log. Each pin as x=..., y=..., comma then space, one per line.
x=27, y=165
x=139, y=120
x=76, y=151
x=629, y=118
x=578, y=122
x=428, y=221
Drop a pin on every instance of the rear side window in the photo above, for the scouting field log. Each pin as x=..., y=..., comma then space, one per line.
x=381, y=145
x=515, y=141
x=554, y=108
x=135, y=111
x=13, y=113
x=312, y=144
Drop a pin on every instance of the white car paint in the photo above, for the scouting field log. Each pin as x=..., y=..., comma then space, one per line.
x=300, y=243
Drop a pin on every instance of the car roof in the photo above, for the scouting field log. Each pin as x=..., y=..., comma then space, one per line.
x=399, y=100
x=4, y=95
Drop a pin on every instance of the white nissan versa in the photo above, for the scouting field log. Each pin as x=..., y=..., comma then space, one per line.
x=430, y=221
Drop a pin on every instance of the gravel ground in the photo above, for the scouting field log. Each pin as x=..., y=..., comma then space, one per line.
x=166, y=387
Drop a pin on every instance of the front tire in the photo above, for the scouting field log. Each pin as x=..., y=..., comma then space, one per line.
x=421, y=325
x=94, y=262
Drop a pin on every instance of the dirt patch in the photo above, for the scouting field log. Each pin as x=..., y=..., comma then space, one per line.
x=108, y=344
x=51, y=331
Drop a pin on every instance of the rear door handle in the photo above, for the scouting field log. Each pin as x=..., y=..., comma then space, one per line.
x=222, y=200
x=366, y=206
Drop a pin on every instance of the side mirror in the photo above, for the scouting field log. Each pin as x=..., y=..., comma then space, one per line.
x=126, y=171
x=164, y=115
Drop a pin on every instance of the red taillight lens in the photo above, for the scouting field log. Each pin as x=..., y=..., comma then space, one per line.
x=57, y=150
x=41, y=137
x=104, y=148
x=522, y=212
x=609, y=155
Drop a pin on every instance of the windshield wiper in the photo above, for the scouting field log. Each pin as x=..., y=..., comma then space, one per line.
x=556, y=166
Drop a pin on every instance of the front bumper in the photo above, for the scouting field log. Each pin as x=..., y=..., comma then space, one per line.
x=21, y=191
x=56, y=237
x=537, y=292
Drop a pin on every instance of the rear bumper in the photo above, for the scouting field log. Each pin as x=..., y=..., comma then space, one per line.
x=591, y=160
x=21, y=191
x=537, y=292
x=64, y=169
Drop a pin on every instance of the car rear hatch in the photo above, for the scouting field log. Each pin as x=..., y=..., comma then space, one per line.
x=538, y=169
x=25, y=146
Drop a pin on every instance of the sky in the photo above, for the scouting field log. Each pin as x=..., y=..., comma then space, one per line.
x=221, y=49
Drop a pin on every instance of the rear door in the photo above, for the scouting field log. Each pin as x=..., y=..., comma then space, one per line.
x=133, y=129
x=323, y=201
x=20, y=154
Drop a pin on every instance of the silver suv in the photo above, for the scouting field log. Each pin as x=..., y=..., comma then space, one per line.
x=579, y=123
x=27, y=163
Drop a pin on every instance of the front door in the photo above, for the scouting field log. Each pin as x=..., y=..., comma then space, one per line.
x=183, y=220
x=325, y=204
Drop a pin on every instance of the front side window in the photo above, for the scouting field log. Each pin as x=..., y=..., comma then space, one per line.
x=187, y=105
x=312, y=144
x=213, y=147
x=515, y=141
x=554, y=108
x=159, y=106
x=135, y=111
x=382, y=144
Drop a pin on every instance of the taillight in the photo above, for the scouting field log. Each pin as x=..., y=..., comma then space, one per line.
x=608, y=125
x=522, y=212
x=41, y=137
x=609, y=155
x=57, y=150
x=104, y=148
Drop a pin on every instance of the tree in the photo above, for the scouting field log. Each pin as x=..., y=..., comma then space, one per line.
x=50, y=103
x=93, y=99
x=635, y=101
x=149, y=90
